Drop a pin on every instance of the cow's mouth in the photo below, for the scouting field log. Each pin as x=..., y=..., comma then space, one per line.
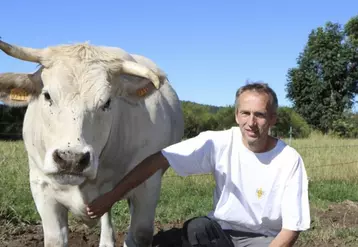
x=69, y=178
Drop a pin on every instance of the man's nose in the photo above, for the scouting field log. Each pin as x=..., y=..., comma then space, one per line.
x=252, y=120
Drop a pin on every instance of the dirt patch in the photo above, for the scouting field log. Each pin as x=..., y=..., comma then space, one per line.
x=32, y=236
x=335, y=226
x=342, y=216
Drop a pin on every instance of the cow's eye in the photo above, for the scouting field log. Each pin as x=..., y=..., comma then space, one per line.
x=47, y=96
x=106, y=106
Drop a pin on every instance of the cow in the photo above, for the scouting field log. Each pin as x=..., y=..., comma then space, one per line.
x=93, y=113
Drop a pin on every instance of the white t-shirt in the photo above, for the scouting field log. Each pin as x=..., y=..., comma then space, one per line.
x=255, y=192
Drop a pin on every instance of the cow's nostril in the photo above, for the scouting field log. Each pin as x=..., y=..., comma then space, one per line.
x=59, y=159
x=84, y=160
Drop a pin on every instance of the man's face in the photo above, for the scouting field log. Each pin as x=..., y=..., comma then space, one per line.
x=254, y=117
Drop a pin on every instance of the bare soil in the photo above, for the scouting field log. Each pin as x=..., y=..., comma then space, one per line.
x=342, y=215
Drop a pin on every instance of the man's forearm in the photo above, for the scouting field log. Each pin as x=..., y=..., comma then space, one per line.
x=285, y=238
x=139, y=174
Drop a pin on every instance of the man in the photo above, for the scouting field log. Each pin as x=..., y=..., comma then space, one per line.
x=261, y=194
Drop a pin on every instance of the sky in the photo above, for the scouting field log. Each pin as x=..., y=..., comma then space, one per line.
x=207, y=48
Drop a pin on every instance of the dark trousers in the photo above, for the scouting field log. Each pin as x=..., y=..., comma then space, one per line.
x=202, y=231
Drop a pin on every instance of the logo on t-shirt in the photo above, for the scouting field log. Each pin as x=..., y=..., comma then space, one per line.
x=259, y=193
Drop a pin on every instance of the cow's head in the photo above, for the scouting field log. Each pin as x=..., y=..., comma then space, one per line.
x=74, y=90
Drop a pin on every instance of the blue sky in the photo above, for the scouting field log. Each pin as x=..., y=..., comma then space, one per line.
x=207, y=48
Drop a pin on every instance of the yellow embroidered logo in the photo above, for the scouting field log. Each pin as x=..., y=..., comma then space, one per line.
x=259, y=193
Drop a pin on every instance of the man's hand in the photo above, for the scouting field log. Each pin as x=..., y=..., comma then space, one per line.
x=100, y=205
x=135, y=177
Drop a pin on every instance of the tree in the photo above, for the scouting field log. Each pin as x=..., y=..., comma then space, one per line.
x=225, y=117
x=351, y=30
x=323, y=85
x=199, y=118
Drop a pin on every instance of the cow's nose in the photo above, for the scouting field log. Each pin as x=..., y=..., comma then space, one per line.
x=71, y=161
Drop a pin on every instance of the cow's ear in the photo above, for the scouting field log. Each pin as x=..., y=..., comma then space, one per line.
x=19, y=89
x=134, y=88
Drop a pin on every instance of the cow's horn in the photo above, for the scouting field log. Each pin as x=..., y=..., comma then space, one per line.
x=23, y=53
x=137, y=69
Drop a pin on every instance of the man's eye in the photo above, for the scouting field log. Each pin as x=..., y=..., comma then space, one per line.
x=260, y=115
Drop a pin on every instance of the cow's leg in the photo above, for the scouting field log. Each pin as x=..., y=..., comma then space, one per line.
x=54, y=216
x=143, y=203
x=107, y=232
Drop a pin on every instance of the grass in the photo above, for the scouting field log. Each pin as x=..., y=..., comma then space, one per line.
x=333, y=191
x=331, y=163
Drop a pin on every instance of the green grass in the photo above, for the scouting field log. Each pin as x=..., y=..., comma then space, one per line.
x=332, y=167
x=15, y=198
x=333, y=191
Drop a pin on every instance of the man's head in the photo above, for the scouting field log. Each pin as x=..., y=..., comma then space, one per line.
x=255, y=112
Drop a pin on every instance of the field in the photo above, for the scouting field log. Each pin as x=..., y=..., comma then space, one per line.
x=332, y=166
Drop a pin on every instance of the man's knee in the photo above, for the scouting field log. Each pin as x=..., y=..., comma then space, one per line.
x=203, y=231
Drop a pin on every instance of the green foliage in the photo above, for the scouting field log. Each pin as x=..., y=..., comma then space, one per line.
x=11, y=119
x=225, y=117
x=199, y=118
x=287, y=118
x=324, y=84
x=346, y=127
x=351, y=30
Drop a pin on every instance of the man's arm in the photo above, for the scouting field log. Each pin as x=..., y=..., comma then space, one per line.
x=286, y=238
x=295, y=207
x=138, y=175
x=191, y=156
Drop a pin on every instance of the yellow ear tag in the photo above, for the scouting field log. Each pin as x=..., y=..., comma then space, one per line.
x=142, y=91
x=19, y=94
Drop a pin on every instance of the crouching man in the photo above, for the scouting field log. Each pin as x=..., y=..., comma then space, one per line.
x=261, y=194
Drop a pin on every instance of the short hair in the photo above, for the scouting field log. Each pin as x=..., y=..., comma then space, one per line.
x=258, y=87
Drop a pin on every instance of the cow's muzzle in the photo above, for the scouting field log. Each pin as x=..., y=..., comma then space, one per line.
x=71, y=162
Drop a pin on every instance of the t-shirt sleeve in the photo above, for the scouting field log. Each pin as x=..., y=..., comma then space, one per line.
x=191, y=156
x=295, y=203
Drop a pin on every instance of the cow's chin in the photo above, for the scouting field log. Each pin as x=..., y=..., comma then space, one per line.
x=69, y=179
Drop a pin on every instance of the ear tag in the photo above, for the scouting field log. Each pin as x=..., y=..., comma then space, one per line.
x=19, y=94
x=142, y=91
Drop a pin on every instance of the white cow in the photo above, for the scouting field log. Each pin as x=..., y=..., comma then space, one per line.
x=93, y=113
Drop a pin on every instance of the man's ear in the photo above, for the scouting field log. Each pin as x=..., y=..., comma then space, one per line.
x=19, y=89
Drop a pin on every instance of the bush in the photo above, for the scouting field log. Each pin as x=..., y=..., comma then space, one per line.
x=346, y=127
x=288, y=118
x=11, y=119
